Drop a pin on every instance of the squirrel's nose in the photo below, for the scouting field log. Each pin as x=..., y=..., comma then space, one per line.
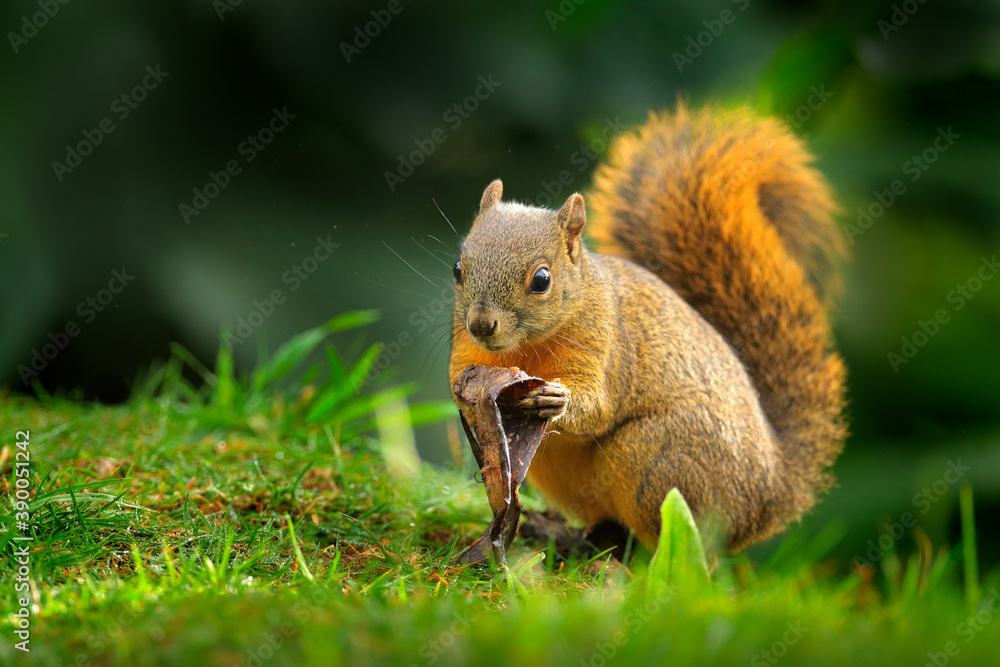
x=483, y=327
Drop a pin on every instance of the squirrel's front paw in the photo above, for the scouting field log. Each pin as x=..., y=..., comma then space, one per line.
x=547, y=401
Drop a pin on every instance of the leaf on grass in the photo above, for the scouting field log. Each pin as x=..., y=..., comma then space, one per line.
x=679, y=561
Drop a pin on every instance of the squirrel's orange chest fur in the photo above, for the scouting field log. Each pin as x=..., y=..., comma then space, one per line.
x=536, y=360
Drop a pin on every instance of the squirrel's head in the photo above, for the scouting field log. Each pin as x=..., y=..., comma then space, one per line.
x=520, y=271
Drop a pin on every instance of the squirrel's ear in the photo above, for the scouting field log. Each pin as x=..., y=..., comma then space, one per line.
x=572, y=217
x=491, y=196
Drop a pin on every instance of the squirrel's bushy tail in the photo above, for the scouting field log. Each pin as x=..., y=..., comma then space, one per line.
x=726, y=209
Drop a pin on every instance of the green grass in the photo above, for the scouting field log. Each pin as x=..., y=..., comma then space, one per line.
x=283, y=519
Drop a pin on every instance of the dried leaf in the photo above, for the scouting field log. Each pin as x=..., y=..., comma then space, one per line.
x=504, y=441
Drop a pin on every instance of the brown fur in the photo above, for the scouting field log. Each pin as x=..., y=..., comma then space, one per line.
x=716, y=375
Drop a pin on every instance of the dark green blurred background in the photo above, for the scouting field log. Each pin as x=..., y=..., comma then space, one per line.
x=869, y=85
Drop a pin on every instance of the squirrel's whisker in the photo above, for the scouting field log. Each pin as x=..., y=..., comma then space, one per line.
x=431, y=282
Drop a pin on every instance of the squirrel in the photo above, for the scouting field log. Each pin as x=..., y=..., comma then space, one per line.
x=693, y=348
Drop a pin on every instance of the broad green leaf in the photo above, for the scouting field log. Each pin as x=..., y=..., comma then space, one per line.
x=351, y=320
x=429, y=412
x=679, y=561
x=292, y=353
x=337, y=369
x=310, y=375
x=365, y=405
x=421, y=414
x=805, y=69
x=329, y=398
x=288, y=356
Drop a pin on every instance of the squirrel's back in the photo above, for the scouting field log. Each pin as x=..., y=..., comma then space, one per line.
x=726, y=209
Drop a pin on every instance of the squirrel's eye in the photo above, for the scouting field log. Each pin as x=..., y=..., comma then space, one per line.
x=540, y=281
x=457, y=270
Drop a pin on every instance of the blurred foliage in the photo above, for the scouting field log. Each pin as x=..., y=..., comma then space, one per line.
x=868, y=85
x=329, y=398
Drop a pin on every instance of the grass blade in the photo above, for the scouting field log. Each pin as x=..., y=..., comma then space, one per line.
x=969, y=557
x=224, y=391
x=299, y=558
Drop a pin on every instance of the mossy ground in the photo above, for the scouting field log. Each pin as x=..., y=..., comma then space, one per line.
x=225, y=527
